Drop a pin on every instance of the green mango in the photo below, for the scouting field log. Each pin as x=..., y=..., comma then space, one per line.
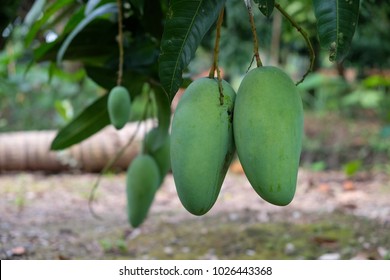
x=142, y=181
x=161, y=154
x=118, y=105
x=202, y=144
x=268, y=130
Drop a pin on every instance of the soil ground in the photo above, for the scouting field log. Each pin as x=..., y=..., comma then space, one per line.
x=331, y=217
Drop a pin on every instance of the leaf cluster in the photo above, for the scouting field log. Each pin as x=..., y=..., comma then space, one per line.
x=160, y=39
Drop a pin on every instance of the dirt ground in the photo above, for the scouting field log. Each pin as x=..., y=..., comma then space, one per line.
x=331, y=217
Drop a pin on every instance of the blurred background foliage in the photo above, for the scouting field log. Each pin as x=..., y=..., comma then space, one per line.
x=40, y=95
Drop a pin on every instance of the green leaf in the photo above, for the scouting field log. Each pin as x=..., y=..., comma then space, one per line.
x=88, y=122
x=336, y=24
x=83, y=47
x=34, y=12
x=266, y=6
x=163, y=115
x=90, y=6
x=109, y=8
x=106, y=78
x=352, y=167
x=49, y=13
x=187, y=21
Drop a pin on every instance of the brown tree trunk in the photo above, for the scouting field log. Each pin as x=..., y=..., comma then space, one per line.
x=30, y=150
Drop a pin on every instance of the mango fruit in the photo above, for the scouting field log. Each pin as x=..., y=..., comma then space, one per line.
x=268, y=130
x=142, y=181
x=118, y=105
x=202, y=144
x=162, y=154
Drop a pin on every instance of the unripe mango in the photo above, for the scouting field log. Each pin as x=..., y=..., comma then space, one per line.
x=202, y=144
x=142, y=181
x=118, y=105
x=161, y=155
x=268, y=130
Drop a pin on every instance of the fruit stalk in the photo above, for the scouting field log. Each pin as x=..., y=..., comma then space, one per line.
x=254, y=33
x=215, y=66
x=120, y=43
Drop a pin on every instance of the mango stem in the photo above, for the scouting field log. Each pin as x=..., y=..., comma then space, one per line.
x=215, y=66
x=120, y=43
x=254, y=33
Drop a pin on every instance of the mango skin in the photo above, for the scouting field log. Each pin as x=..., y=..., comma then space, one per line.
x=118, y=105
x=202, y=144
x=162, y=154
x=142, y=181
x=268, y=130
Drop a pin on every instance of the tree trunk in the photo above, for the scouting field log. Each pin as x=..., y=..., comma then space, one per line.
x=30, y=150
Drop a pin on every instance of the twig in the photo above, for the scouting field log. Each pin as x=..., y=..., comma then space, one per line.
x=215, y=66
x=120, y=43
x=304, y=35
x=256, y=54
x=113, y=161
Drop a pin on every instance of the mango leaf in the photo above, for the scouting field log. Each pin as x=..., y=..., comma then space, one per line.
x=51, y=12
x=266, y=6
x=88, y=122
x=106, y=78
x=34, y=13
x=163, y=115
x=83, y=47
x=90, y=6
x=109, y=8
x=336, y=24
x=187, y=21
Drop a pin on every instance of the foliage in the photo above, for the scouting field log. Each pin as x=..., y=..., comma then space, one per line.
x=33, y=100
x=178, y=45
x=360, y=98
x=336, y=22
x=159, y=40
x=371, y=44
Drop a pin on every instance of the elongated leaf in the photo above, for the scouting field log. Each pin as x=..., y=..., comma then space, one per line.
x=336, y=24
x=266, y=6
x=109, y=8
x=186, y=23
x=83, y=47
x=53, y=9
x=106, y=78
x=91, y=120
x=34, y=12
x=90, y=6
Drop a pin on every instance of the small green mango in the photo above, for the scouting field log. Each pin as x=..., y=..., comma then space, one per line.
x=268, y=129
x=118, y=105
x=161, y=154
x=142, y=181
x=202, y=144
